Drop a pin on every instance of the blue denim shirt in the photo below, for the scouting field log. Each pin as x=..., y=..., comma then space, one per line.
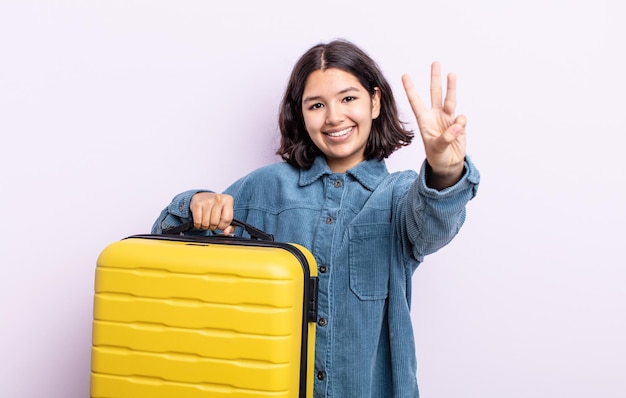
x=368, y=230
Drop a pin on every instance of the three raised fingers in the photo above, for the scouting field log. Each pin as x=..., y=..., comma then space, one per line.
x=436, y=92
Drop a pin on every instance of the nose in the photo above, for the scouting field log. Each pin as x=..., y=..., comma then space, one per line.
x=334, y=115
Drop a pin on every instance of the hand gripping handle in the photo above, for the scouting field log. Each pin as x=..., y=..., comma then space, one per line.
x=255, y=233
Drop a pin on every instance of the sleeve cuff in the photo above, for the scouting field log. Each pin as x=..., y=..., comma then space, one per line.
x=179, y=206
x=469, y=180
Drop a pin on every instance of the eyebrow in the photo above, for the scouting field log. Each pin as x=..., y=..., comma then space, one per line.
x=344, y=91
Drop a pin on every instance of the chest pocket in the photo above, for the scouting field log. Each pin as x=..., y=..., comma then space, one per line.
x=369, y=260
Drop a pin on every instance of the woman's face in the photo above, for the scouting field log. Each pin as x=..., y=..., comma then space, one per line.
x=338, y=113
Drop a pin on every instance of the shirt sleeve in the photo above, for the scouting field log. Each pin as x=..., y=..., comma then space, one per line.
x=176, y=213
x=432, y=218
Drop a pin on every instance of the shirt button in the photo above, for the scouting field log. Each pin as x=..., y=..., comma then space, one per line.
x=323, y=269
x=321, y=375
x=322, y=322
x=338, y=184
x=329, y=220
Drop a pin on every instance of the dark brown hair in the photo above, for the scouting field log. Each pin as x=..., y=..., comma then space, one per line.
x=388, y=133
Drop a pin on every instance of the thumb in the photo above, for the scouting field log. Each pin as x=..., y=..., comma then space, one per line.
x=229, y=230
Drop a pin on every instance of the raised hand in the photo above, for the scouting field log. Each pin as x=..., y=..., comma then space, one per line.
x=442, y=132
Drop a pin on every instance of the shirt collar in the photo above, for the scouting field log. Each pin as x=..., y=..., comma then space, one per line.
x=369, y=173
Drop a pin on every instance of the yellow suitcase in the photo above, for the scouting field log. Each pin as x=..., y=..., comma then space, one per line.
x=179, y=316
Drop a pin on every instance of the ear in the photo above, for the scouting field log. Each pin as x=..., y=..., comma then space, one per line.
x=376, y=103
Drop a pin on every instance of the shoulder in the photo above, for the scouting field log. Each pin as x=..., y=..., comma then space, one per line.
x=272, y=174
x=405, y=175
x=400, y=180
x=263, y=178
x=279, y=169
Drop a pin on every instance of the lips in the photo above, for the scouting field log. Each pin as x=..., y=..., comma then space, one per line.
x=339, y=133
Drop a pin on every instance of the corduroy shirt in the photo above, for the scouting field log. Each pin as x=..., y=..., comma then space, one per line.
x=368, y=230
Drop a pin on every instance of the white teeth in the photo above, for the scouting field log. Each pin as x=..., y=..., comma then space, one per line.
x=339, y=133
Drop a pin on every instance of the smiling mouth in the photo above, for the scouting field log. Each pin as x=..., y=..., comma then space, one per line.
x=339, y=133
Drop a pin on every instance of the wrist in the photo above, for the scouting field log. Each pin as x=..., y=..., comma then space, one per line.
x=441, y=179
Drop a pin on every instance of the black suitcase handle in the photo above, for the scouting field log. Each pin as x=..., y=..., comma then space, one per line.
x=255, y=233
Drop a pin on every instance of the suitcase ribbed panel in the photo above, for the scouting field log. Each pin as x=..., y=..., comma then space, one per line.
x=192, y=319
x=138, y=387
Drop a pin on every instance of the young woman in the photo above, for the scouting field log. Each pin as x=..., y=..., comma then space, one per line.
x=368, y=229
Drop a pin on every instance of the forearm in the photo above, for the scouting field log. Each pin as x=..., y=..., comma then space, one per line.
x=433, y=217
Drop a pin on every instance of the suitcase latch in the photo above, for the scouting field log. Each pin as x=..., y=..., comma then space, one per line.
x=312, y=300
